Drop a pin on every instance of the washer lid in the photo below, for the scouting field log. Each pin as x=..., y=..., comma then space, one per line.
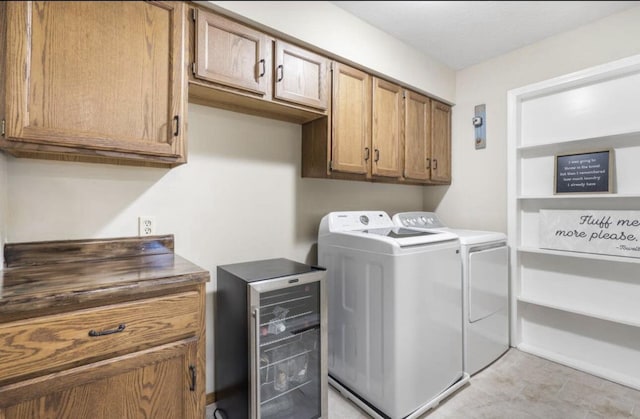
x=407, y=236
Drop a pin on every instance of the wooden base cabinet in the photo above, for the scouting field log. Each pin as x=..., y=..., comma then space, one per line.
x=101, y=329
x=94, y=81
x=149, y=384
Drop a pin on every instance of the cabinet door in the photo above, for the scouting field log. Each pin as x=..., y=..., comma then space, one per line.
x=441, y=142
x=300, y=76
x=351, y=116
x=158, y=383
x=417, y=137
x=231, y=54
x=96, y=75
x=387, y=128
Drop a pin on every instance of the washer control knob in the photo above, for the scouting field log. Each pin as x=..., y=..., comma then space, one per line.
x=364, y=219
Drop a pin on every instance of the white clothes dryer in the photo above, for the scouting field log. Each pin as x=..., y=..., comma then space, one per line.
x=485, y=288
x=394, y=309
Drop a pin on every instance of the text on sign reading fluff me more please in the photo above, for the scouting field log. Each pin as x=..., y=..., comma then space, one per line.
x=604, y=223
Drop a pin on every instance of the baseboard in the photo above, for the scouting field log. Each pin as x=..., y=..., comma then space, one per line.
x=211, y=398
x=587, y=367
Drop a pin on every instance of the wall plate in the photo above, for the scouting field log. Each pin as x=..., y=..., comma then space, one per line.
x=480, y=124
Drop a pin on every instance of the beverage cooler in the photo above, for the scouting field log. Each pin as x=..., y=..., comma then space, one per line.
x=270, y=341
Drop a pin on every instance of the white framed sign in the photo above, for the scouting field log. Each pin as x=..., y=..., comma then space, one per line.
x=607, y=232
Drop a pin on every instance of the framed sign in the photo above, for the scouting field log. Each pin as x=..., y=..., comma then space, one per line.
x=589, y=172
x=607, y=232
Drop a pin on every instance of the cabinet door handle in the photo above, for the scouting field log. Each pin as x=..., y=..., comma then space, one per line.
x=94, y=333
x=176, y=119
x=377, y=155
x=367, y=153
x=428, y=163
x=435, y=164
x=264, y=68
x=281, y=69
x=192, y=385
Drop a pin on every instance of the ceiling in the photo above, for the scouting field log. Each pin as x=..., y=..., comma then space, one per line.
x=463, y=33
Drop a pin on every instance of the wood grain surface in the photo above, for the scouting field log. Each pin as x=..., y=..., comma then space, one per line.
x=129, y=268
x=65, y=251
x=68, y=343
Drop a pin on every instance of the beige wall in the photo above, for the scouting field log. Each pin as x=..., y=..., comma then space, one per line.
x=477, y=197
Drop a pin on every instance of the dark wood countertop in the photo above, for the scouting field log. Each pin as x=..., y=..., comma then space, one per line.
x=47, y=277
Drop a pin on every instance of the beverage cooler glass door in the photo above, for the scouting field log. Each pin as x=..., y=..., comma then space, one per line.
x=288, y=347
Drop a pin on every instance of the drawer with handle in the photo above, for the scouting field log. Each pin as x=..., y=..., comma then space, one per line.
x=52, y=343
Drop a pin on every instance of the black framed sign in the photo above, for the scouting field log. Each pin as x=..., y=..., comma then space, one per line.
x=588, y=172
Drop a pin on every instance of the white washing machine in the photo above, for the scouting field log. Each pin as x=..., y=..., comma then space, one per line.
x=394, y=312
x=485, y=288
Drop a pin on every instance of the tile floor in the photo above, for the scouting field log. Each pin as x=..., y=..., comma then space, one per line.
x=521, y=386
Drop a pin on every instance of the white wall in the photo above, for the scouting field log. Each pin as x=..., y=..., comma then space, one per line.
x=477, y=195
x=240, y=197
x=328, y=27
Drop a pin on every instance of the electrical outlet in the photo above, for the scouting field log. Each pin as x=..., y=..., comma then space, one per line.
x=146, y=226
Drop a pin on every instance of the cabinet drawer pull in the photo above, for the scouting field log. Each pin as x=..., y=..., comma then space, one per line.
x=435, y=164
x=377, y=155
x=281, y=68
x=428, y=163
x=366, y=153
x=120, y=328
x=264, y=68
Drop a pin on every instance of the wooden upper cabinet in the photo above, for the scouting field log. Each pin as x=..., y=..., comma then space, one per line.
x=441, y=142
x=231, y=54
x=417, y=146
x=240, y=68
x=387, y=129
x=351, y=120
x=92, y=78
x=300, y=76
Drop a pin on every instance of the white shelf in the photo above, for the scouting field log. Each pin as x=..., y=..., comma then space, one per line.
x=580, y=196
x=608, y=258
x=581, y=312
x=580, y=309
x=625, y=139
